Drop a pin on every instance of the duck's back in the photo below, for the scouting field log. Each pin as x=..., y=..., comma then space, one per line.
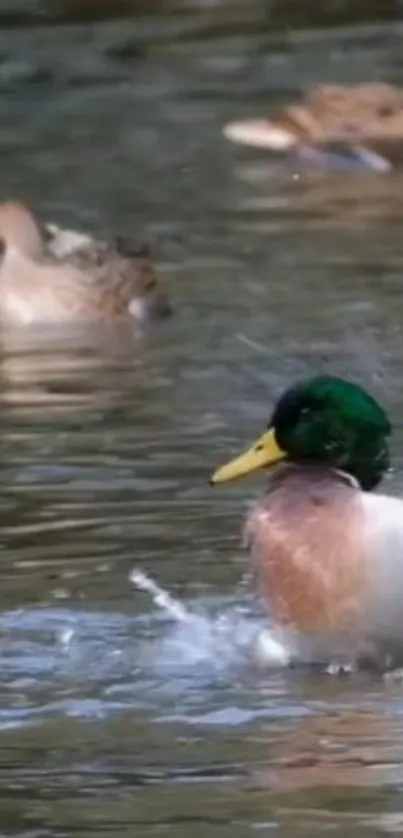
x=90, y=283
x=109, y=277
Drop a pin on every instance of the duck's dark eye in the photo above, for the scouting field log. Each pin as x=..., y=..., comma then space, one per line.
x=141, y=250
x=150, y=285
x=385, y=111
x=126, y=248
x=47, y=234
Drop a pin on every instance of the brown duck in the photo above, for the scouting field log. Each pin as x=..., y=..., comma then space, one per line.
x=369, y=114
x=59, y=275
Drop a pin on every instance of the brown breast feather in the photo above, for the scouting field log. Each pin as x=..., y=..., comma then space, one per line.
x=305, y=541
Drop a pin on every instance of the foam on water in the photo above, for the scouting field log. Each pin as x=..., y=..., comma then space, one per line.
x=57, y=660
x=219, y=639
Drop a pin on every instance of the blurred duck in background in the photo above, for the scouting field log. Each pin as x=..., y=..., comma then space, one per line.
x=353, y=127
x=56, y=275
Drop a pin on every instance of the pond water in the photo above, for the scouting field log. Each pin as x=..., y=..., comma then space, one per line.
x=124, y=712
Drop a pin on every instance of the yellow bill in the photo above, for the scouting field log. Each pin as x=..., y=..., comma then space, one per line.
x=264, y=452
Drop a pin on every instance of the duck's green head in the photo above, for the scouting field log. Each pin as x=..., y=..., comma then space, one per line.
x=322, y=420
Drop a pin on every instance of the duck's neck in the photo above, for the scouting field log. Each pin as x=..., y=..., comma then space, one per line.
x=23, y=242
x=363, y=468
x=346, y=477
x=312, y=474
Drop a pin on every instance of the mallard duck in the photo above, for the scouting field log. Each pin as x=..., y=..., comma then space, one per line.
x=328, y=552
x=63, y=276
x=362, y=119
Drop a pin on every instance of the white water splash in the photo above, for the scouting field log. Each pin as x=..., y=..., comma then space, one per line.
x=219, y=640
x=162, y=598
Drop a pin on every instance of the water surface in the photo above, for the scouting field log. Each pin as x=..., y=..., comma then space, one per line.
x=116, y=717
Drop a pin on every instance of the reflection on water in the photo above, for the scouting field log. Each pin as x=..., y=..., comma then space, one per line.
x=117, y=715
